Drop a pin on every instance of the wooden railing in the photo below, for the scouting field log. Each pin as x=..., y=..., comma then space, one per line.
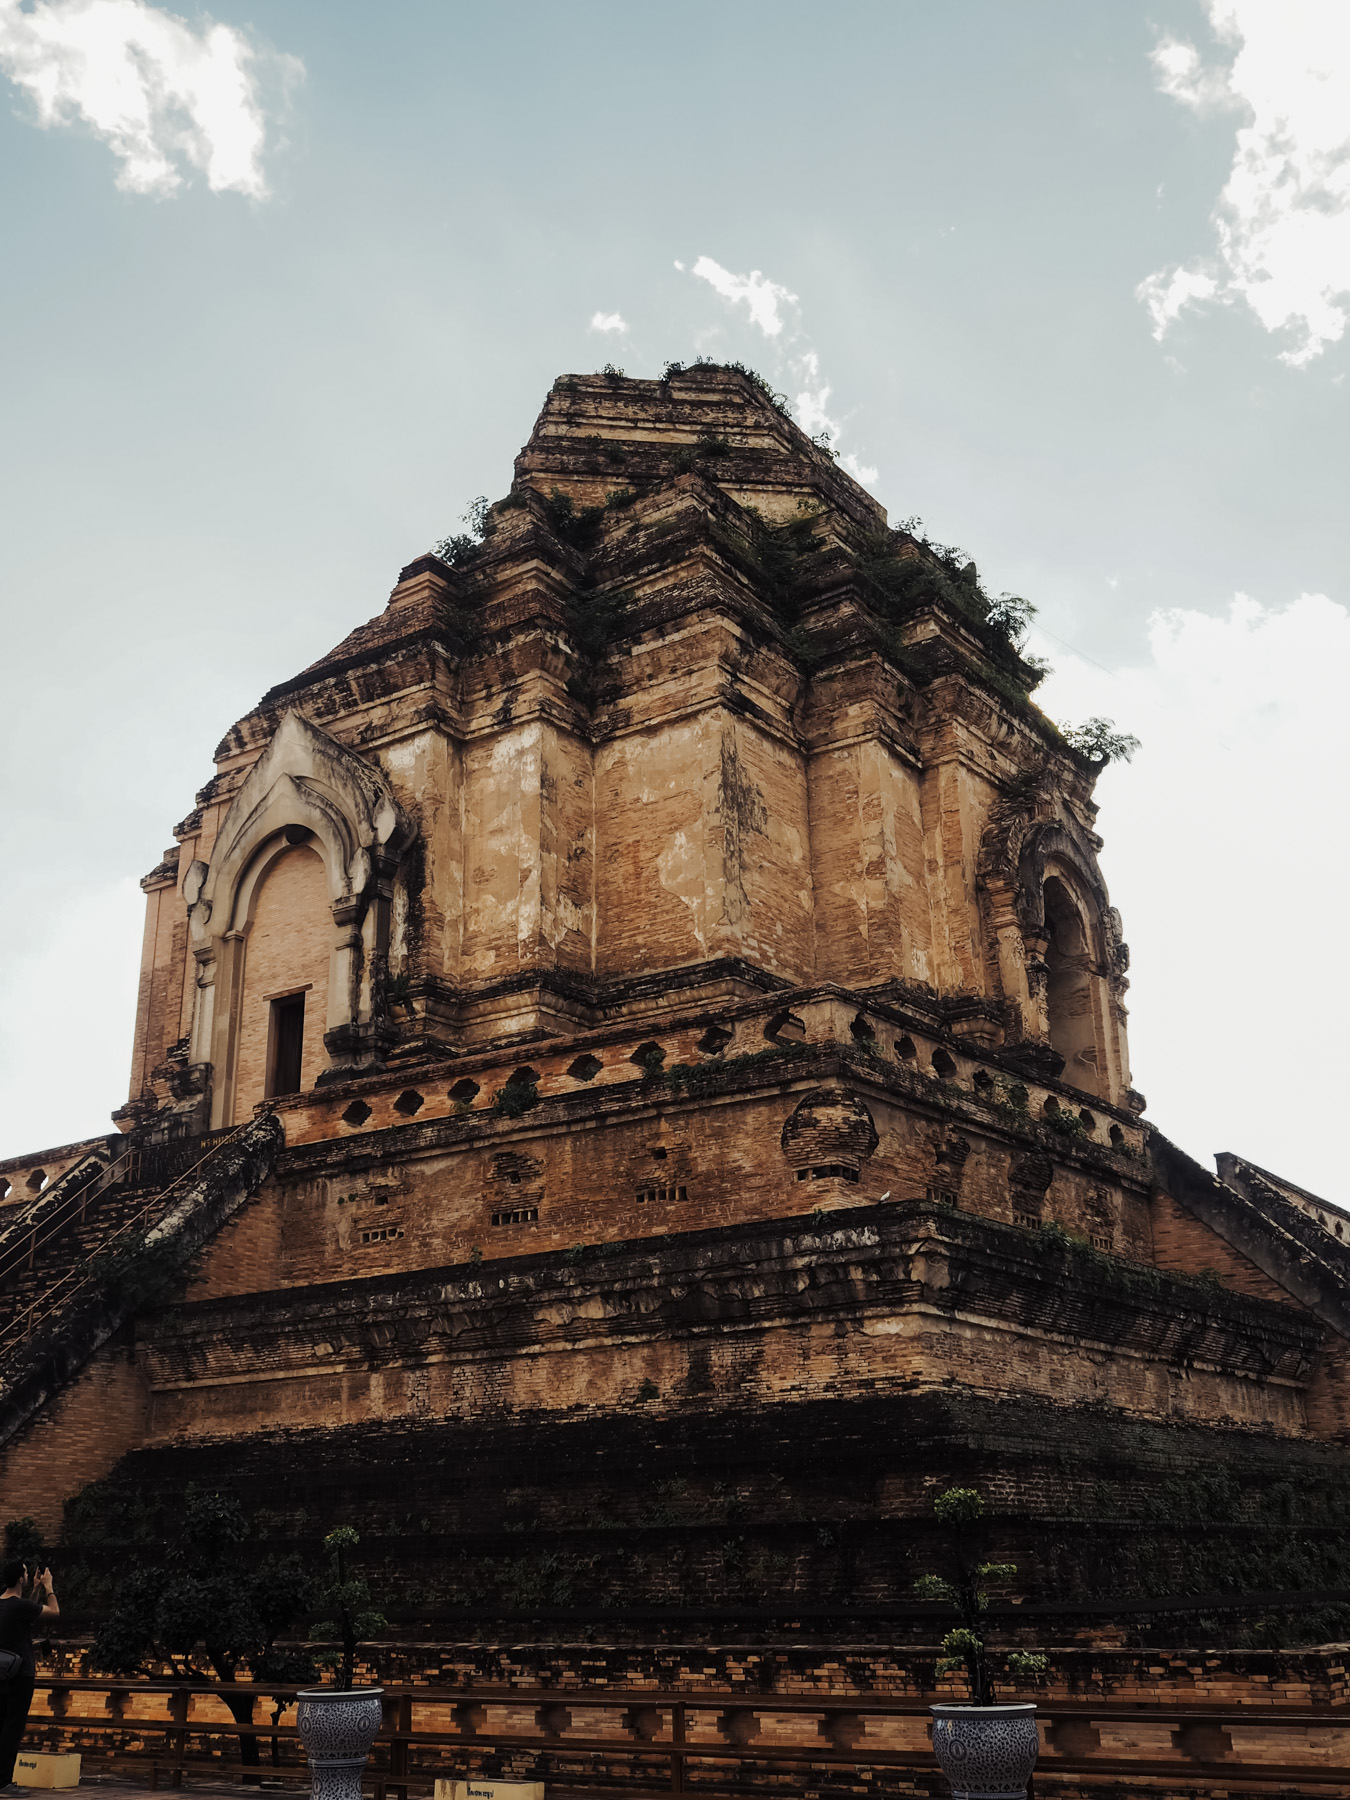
x=654, y=1742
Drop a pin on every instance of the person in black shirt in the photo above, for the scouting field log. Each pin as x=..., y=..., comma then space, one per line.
x=17, y=1619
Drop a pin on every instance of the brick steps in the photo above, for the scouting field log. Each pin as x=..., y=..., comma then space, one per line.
x=75, y=1247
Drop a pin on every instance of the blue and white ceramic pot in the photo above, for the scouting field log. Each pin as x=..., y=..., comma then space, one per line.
x=986, y=1752
x=337, y=1726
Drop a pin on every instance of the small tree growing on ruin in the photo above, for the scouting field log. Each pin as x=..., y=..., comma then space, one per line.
x=959, y=1510
x=1100, y=742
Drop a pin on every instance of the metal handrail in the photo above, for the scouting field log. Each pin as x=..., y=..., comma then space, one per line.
x=22, y=1253
x=23, y=1325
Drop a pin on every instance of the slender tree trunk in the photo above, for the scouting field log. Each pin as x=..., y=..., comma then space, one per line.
x=348, y=1629
x=977, y=1665
x=241, y=1711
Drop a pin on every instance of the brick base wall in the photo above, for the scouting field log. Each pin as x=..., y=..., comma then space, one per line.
x=79, y=1437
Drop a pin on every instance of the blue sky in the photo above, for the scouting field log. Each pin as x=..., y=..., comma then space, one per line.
x=286, y=284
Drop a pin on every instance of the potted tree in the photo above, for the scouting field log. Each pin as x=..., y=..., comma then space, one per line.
x=987, y=1750
x=337, y=1724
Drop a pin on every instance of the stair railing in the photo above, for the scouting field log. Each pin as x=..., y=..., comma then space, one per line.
x=72, y=1209
x=62, y=1291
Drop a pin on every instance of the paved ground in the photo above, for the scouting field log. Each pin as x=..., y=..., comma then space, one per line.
x=112, y=1787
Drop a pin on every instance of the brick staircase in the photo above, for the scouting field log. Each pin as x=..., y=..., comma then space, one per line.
x=50, y=1265
x=112, y=1235
x=91, y=1210
x=24, y=1228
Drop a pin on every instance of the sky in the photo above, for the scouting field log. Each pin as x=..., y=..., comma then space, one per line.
x=285, y=286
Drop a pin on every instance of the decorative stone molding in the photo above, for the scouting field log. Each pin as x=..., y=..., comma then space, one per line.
x=1029, y=837
x=1032, y=837
x=306, y=788
x=950, y=1158
x=1038, y=1062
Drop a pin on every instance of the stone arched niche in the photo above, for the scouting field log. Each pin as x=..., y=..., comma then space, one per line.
x=829, y=1128
x=1056, y=939
x=1072, y=971
x=305, y=859
x=283, y=1008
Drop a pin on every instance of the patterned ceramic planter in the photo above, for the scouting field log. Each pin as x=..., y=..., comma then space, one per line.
x=986, y=1752
x=337, y=1726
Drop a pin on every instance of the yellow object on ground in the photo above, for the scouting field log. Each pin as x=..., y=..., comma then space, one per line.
x=38, y=1769
x=489, y=1790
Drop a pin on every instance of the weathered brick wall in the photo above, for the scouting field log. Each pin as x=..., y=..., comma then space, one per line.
x=1328, y=1397
x=955, y=809
x=300, y=1382
x=77, y=1438
x=1181, y=1241
x=168, y=973
x=347, y=1292
x=771, y=1319
x=808, y=1521
x=873, y=919
x=379, y=1206
x=587, y=1328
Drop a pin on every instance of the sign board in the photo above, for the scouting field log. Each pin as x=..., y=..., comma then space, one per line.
x=35, y=1768
x=489, y=1790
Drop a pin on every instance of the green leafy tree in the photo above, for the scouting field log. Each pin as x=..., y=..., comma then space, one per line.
x=1011, y=615
x=459, y=547
x=1100, y=742
x=199, y=1610
x=346, y=1596
x=960, y=1511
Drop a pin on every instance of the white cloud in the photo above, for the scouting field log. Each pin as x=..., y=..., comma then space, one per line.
x=777, y=314
x=608, y=322
x=163, y=94
x=816, y=421
x=1183, y=73
x=1224, y=857
x=1283, y=219
x=763, y=297
x=811, y=413
x=1166, y=294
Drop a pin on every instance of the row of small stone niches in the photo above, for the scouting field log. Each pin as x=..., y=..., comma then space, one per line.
x=512, y=1091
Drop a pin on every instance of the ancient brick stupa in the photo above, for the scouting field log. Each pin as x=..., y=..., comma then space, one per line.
x=631, y=1049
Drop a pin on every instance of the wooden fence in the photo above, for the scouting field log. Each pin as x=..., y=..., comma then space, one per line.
x=650, y=1742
